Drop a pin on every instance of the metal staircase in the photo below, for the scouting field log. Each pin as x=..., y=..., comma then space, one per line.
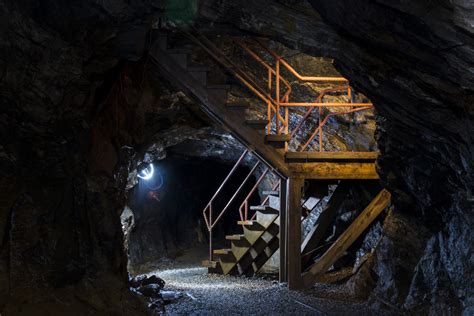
x=175, y=65
x=267, y=139
x=250, y=250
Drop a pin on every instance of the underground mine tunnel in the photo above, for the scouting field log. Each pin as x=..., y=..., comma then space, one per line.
x=237, y=157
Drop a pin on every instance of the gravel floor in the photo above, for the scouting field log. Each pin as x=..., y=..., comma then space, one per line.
x=213, y=294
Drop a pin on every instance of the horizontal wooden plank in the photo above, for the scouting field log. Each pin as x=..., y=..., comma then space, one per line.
x=234, y=237
x=327, y=156
x=222, y=251
x=334, y=170
x=248, y=223
x=209, y=264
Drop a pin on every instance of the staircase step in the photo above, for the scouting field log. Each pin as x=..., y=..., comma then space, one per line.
x=198, y=68
x=245, y=223
x=273, y=193
x=257, y=124
x=265, y=209
x=277, y=138
x=277, y=141
x=252, y=225
x=209, y=264
x=162, y=40
x=219, y=86
x=237, y=106
x=222, y=251
x=219, y=94
x=235, y=237
x=180, y=58
x=198, y=74
x=179, y=51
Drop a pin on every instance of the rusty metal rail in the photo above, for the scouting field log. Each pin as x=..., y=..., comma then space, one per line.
x=277, y=94
x=282, y=101
x=208, y=211
x=277, y=97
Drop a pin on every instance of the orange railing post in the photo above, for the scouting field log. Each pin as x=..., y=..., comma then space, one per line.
x=269, y=105
x=208, y=209
x=274, y=104
x=277, y=94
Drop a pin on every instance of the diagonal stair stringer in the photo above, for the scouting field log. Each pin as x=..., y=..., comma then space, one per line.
x=213, y=102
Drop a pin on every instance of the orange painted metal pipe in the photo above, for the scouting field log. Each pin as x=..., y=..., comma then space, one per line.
x=329, y=104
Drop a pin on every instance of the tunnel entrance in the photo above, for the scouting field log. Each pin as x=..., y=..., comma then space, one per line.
x=163, y=219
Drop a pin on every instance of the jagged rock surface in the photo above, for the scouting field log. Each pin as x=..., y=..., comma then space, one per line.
x=62, y=136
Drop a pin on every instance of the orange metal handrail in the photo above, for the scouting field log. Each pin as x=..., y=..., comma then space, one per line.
x=284, y=102
x=297, y=74
x=276, y=101
x=266, y=65
x=208, y=210
x=241, y=75
x=322, y=123
x=278, y=184
x=244, y=207
x=235, y=194
x=310, y=110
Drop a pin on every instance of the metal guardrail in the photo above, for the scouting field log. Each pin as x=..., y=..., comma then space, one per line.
x=279, y=113
x=208, y=211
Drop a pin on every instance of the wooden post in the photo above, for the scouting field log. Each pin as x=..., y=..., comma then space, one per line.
x=283, y=236
x=295, y=186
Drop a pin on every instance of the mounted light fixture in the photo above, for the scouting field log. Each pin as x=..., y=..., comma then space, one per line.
x=147, y=173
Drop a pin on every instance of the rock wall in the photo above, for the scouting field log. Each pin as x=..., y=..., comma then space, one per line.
x=413, y=59
x=70, y=103
x=168, y=221
x=61, y=243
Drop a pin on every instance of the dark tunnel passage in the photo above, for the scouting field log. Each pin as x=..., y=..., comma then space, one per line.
x=167, y=209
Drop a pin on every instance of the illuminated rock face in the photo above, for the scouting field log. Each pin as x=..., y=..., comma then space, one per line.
x=69, y=105
x=415, y=60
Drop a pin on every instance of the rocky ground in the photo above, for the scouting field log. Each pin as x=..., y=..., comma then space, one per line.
x=213, y=294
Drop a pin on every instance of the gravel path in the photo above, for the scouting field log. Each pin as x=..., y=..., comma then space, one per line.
x=213, y=294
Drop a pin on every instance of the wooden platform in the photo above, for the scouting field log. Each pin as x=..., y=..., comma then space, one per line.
x=326, y=156
x=335, y=171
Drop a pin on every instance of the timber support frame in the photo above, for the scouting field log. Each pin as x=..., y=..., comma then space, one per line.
x=293, y=244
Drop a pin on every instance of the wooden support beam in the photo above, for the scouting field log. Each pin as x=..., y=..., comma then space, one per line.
x=325, y=219
x=295, y=186
x=327, y=156
x=283, y=275
x=334, y=170
x=378, y=204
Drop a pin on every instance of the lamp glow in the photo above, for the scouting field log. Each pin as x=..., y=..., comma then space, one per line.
x=145, y=174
